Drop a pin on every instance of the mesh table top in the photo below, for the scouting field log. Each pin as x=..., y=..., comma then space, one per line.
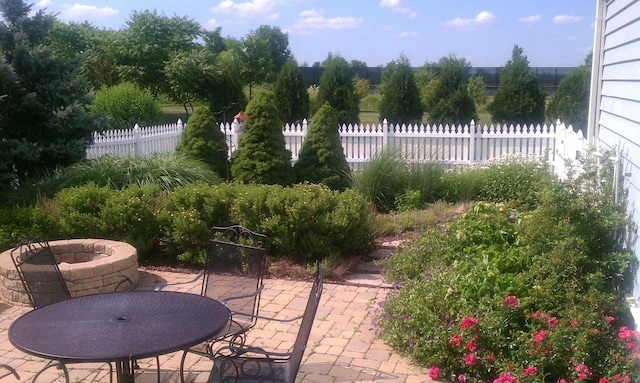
x=118, y=326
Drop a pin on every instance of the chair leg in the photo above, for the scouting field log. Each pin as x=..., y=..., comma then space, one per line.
x=56, y=364
x=11, y=370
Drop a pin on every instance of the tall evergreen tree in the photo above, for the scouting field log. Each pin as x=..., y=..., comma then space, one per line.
x=43, y=101
x=336, y=88
x=400, y=102
x=448, y=100
x=262, y=156
x=520, y=98
x=321, y=158
x=291, y=94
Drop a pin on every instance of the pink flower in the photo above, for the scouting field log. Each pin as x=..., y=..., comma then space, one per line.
x=468, y=322
x=434, y=373
x=472, y=346
x=511, y=301
x=552, y=322
x=583, y=371
x=530, y=371
x=539, y=336
x=609, y=319
x=455, y=340
x=562, y=381
x=506, y=377
x=603, y=380
x=470, y=359
x=574, y=323
x=462, y=379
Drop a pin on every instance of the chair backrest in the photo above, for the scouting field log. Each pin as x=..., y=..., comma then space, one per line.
x=235, y=273
x=305, y=327
x=39, y=272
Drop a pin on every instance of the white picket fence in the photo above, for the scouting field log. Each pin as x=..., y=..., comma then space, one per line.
x=450, y=144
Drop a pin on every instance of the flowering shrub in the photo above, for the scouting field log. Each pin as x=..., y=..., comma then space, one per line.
x=506, y=295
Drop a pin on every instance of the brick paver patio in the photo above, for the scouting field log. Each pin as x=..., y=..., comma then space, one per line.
x=343, y=346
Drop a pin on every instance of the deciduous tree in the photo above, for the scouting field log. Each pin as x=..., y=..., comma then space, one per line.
x=448, y=100
x=265, y=50
x=570, y=102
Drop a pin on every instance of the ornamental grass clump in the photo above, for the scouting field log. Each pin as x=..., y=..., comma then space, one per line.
x=506, y=294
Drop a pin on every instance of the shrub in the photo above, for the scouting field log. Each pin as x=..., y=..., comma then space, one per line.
x=262, y=156
x=203, y=140
x=321, y=158
x=514, y=179
x=370, y=103
x=529, y=295
x=361, y=87
x=126, y=105
x=79, y=210
x=22, y=222
x=309, y=222
x=187, y=215
x=477, y=90
x=130, y=215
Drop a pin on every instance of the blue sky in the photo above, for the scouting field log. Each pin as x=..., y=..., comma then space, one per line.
x=551, y=32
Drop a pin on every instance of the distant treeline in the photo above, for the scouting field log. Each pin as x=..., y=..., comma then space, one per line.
x=549, y=76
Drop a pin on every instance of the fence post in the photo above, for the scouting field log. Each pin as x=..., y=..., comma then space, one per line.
x=180, y=125
x=385, y=134
x=136, y=141
x=305, y=129
x=472, y=142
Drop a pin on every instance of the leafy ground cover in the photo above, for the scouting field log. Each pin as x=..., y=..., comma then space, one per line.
x=519, y=292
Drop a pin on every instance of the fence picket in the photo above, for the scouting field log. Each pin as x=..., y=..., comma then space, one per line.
x=450, y=144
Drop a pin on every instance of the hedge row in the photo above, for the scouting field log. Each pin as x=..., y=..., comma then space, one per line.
x=307, y=222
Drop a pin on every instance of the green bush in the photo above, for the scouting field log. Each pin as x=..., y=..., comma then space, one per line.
x=187, y=215
x=309, y=222
x=321, y=158
x=203, y=140
x=79, y=210
x=533, y=293
x=131, y=216
x=262, y=156
x=126, y=105
x=292, y=96
x=446, y=98
x=336, y=88
x=22, y=222
x=370, y=103
x=514, y=179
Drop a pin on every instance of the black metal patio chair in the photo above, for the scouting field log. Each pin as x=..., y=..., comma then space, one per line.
x=10, y=371
x=44, y=283
x=246, y=364
x=234, y=276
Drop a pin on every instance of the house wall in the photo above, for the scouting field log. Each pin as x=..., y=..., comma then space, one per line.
x=615, y=105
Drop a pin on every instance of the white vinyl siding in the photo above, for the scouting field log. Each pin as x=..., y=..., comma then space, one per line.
x=618, y=117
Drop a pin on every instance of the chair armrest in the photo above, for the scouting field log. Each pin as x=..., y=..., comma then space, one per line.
x=236, y=351
x=253, y=294
x=159, y=287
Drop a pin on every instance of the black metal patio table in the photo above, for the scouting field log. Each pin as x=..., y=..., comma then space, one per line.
x=118, y=327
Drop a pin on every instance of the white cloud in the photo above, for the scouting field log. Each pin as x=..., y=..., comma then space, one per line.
x=481, y=19
x=211, y=24
x=407, y=34
x=529, y=20
x=247, y=10
x=395, y=6
x=389, y=3
x=43, y=3
x=566, y=19
x=312, y=19
x=83, y=12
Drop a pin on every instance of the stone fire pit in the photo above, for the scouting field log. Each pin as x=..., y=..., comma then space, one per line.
x=97, y=264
